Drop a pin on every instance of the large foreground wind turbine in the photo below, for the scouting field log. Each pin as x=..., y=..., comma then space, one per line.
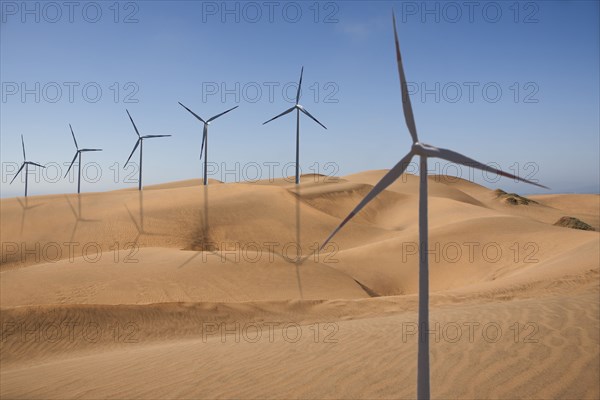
x=25, y=165
x=78, y=154
x=424, y=151
x=205, y=136
x=298, y=109
x=140, y=142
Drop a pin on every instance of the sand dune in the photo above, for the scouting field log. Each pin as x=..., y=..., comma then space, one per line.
x=553, y=354
x=134, y=287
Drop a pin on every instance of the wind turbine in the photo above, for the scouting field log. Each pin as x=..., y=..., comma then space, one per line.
x=78, y=154
x=205, y=136
x=298, y=109
x=25, y=165
x=424, y=151
x=140, y=142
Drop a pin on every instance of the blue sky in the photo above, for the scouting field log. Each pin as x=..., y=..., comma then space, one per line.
x=515, y=84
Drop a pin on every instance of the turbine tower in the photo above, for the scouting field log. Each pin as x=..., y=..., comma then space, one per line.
x=204, y=146
x=424, y=151
x=298, y=109
x=78, y=155
x=25, y=165
x=140, y=142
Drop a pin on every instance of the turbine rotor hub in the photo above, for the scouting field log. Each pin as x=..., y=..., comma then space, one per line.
x=418, y=149
x=422, y=149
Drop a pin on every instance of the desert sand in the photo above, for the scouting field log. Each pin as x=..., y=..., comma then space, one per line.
x=183, y=291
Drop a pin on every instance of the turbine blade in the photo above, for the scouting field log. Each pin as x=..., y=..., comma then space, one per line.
x=299, y=85
x=18, y=172
x=193, y=113
x=72, y=162
x=406, y=105
x=36, y=164
x=204, y=134
x=23, y=144
x=458, y=158
x=154, y=136
x=305, y=111
x=82, y=150
x=386, y=181
x=133, y=151
x=223, y=113
x=134, y=127
x=280, y=115
x=75, y=140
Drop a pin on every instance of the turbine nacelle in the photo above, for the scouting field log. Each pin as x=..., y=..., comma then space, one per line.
x=422, y=149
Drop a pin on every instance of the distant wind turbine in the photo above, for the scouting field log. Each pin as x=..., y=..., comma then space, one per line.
x=78, y=154
x=298, y=109
x=204, y=146
x=25, y=165
x=140, y=142
x=424, y=151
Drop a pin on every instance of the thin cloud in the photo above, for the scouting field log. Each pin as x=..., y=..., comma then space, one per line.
x=360, y=30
